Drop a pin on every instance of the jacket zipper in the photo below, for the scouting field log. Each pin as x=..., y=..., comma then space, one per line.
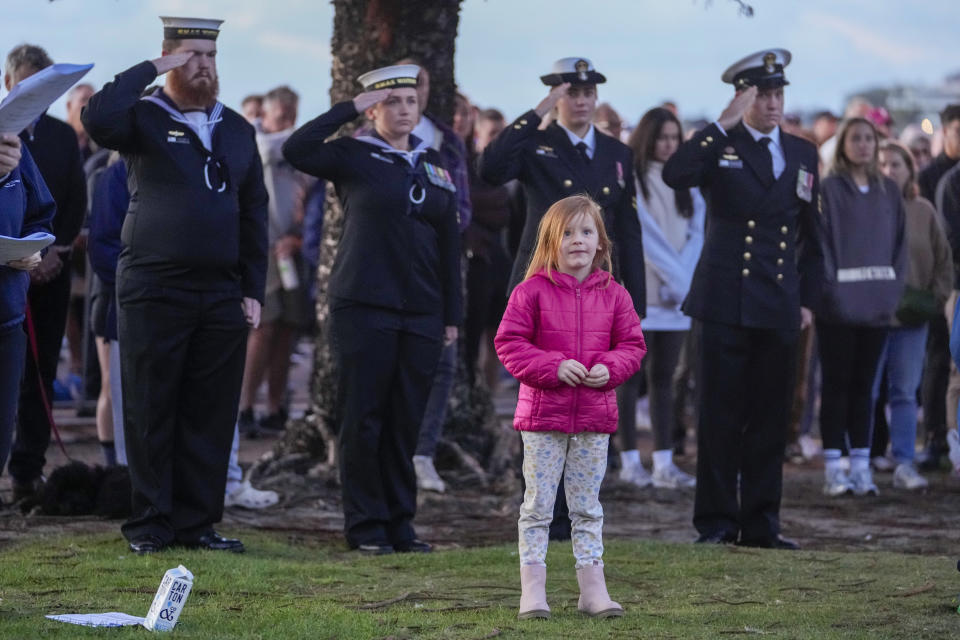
x=576, y=390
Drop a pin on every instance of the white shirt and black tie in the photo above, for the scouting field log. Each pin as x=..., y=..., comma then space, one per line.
x=585, y=145
x=774, y=146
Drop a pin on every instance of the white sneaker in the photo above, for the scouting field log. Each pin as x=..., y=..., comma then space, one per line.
x=882, y=463
x=862, y=482
x=246, y=497
x=636, y=474
x=953, y=442
x=906, y=477
x=836, y=483
x=427, y=477
x=672, y=477
x=809, y=447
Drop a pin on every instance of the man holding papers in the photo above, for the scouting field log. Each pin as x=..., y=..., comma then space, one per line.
x=25, y=207
x=190, y=280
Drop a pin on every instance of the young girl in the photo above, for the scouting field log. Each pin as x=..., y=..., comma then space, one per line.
x=571, y=336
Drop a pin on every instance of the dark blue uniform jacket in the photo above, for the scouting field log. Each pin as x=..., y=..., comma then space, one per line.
x=550, y=169
x=394, y=253
x=761, y=257
x=197, y=218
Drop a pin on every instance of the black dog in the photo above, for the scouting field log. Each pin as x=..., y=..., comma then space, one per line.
x=79, y=489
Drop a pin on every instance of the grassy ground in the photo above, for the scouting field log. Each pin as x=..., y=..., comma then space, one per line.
x=293, y=587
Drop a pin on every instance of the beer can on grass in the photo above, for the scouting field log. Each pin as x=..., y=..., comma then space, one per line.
x=169, y=601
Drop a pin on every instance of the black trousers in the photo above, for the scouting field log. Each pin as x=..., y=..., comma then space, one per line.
x=181, y=359
x=849, y=357
x=385, y=364
x=48, y=304
x=487, y=281
x=936, y=376
x=746, y=383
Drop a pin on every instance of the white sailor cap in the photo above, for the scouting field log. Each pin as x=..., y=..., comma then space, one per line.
x=398, y=75
x=175, y=28
x=763, y=70
x=574, y=71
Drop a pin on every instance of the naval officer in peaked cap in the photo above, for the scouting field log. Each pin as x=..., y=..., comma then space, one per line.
x=568, y=157
x=753, y=287
x=190, y=281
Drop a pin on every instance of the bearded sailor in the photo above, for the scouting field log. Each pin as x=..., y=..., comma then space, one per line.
x=190, y=281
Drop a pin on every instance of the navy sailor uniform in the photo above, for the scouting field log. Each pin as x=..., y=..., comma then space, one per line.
x=194, y=245
x=395, y=285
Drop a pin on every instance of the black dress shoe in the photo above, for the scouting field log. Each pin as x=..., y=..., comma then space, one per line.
x=413, y=546
x=717, y=537
x=215, y=542
x=147, y=544
x=373, y=549
x=777, y=542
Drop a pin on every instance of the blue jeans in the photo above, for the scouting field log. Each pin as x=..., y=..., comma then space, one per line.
x=13, y=348
x=433, y=418
x=955, y=335
x=903, y=360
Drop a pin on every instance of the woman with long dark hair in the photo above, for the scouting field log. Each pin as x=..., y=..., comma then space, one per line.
x=865, y=253
x=672, y=221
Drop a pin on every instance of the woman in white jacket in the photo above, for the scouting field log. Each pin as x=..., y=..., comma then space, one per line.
x=672, y=224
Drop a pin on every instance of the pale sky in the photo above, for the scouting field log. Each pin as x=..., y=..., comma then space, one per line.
x=650, y=50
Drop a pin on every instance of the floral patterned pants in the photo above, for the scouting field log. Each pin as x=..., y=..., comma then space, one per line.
x=582, y=461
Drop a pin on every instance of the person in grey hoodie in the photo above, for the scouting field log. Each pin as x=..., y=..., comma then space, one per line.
x=865, y=254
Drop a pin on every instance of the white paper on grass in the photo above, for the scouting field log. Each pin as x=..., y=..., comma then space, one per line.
x=34, y=95
x=113, y=619
x=19, y=248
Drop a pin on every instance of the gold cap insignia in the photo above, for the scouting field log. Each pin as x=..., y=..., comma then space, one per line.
x=581, y=67
x=769, y=60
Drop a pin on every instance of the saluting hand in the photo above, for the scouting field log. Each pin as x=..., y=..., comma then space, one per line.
x=571, y=372
x=548, y=103
x=171, y=61
x=599, y=375
x=9, y=152
x=737, y=107
x=367, y=99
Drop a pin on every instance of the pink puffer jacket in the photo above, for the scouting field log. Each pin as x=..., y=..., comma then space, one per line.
x=545, y=324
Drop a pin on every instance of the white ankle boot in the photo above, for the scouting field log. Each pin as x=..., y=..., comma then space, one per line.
x=533, y=592
x=594, y=599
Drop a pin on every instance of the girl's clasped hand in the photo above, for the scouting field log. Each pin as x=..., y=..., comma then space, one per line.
x=572, y=373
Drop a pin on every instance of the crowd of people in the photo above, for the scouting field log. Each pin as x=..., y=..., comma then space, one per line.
x=768, y=265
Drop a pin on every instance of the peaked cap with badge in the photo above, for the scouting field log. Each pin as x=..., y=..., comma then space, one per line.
x=763, y=70
x=574, y=71
x=178, y=28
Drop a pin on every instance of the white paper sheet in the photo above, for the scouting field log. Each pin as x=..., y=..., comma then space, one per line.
x=32, y=96
x=113, y=619
x=17, y=248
